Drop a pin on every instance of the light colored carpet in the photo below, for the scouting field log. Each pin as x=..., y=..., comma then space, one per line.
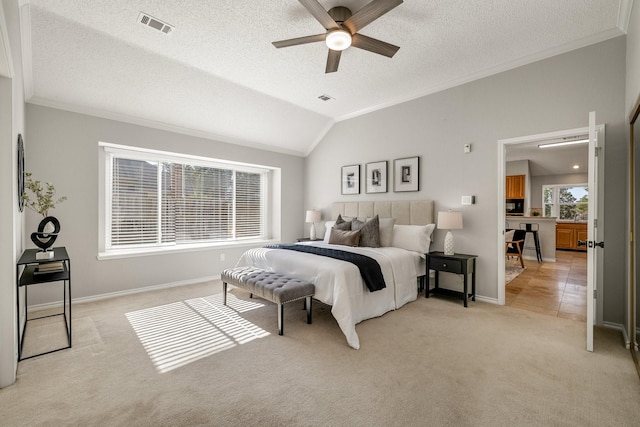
x=433, y=362
x=511, y=272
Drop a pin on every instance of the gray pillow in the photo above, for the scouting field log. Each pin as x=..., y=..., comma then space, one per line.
x=369, y=231
x=341, y=224
x=344, y=237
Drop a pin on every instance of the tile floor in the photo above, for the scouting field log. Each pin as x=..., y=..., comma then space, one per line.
x=554, y=288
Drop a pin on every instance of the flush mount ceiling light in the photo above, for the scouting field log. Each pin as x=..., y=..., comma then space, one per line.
x=560, y=144
x=576, y=166
x=338, y=40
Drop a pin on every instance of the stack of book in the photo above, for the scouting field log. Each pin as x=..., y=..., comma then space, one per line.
x=49, y=267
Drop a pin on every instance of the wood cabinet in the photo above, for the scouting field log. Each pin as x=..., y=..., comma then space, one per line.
x=515, y=187
x=568, y=234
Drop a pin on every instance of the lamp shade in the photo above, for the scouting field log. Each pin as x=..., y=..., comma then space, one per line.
x=313, y=216
x=450, y=220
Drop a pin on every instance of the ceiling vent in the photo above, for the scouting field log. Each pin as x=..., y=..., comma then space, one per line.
x=325, y=97
x=150, y=21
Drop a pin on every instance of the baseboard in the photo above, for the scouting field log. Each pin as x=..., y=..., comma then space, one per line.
x=622, y=329
x=94, y=298
x=487, y=299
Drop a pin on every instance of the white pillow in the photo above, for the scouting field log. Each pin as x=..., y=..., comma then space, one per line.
x=415, y=238
x=386, y=230
x=508, y=236
x=327, y=232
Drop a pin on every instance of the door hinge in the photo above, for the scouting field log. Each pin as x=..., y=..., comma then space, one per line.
x=595, y=294
x=595, y=222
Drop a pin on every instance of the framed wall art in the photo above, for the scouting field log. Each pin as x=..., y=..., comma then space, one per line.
x=351, y=179
x=406, y=173
x=376, y=173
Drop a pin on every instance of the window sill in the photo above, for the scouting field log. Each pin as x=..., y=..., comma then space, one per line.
x=167, y=250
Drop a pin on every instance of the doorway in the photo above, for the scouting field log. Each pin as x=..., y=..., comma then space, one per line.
x=557, y=286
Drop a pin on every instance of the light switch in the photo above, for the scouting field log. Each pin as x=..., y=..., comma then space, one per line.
x=468, y=200
x=467, y=148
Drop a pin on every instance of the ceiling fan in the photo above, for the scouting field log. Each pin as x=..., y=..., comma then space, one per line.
x=342, y=30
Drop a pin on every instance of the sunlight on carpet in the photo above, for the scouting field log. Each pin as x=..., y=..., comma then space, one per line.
x=179, y=333
x=511, y=272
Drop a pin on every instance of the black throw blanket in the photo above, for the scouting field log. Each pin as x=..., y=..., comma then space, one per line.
x=369, y=267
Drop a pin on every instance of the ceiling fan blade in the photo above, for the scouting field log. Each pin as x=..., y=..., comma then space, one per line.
x=374, y=45
x=319, y=12
x=333, y=60
x=369, y=13
x=300, y=40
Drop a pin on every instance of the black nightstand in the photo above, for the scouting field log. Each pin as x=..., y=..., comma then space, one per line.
x=457, y=264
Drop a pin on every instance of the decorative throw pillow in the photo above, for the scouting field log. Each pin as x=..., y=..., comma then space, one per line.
x=369, y=231
x=344, y=237
x=508, y=237
x=344, y=225
x=386, y=230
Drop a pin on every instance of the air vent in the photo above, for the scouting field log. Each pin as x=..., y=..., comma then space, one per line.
x=325, y=97
x=149, y=21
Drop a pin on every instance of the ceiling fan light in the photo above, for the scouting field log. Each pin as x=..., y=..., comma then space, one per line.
x=338, y=40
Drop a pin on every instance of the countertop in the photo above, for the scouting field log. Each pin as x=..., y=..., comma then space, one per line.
x=531, y=218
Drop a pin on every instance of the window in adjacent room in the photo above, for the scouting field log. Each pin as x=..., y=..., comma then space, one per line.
x=158, y=200
x=566, y=202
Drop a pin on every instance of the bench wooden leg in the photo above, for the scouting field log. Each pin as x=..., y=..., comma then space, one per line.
x=281, y=319
x=308, y=306
x=224, y=293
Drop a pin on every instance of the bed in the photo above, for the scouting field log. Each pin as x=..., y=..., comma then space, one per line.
x=339, y=283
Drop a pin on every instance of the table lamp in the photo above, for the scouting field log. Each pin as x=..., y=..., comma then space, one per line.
x=312, y=217
x=449, y=221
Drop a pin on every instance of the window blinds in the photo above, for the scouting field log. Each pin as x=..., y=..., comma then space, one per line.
x=173, y=203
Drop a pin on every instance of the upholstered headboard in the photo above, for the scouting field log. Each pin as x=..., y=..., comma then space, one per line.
x=406, y=212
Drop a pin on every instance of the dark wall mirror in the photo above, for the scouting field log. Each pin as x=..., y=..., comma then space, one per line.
x=20, y=170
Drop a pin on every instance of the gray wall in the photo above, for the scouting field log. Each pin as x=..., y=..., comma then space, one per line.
x=11, y=220
x=63, y=149
x=550, y=95
x=632, y=96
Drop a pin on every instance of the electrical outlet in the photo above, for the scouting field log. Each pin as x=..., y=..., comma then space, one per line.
x=222, y=257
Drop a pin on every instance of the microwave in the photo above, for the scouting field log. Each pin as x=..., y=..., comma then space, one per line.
x=514, y=206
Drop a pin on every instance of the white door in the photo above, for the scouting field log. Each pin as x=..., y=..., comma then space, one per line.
x=594, y=242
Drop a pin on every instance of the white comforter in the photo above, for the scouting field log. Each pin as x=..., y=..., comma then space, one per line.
x=339, y=283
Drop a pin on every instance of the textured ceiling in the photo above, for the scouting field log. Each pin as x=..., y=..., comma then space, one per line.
x=218, y=75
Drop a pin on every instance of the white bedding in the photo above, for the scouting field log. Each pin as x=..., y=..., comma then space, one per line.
x=339, y=283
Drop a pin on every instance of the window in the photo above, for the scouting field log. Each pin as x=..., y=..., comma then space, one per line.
x=164, y=200
x=566, y=202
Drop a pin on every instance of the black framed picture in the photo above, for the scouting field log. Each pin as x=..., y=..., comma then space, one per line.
x=376, y=173
x=20, y=173
x=351, y=179
x=406, y=174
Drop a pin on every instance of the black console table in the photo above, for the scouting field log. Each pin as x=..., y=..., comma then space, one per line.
x=458, y=264
x=32, y=274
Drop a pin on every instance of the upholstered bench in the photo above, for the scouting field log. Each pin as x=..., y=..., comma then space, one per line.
x=274, y=287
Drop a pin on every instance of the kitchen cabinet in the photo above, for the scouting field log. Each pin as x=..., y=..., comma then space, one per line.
x=515, y=187
x=568, y=234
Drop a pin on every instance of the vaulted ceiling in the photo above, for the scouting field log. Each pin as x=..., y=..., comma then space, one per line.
x=216, y=74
